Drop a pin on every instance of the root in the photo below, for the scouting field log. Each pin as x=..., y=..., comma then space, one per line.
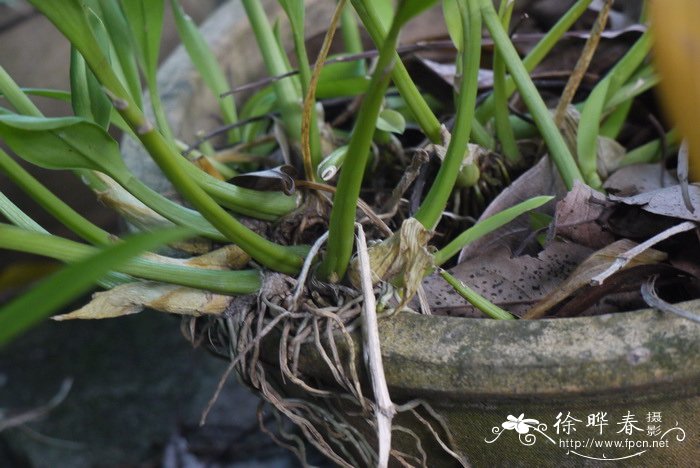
x=270, y=338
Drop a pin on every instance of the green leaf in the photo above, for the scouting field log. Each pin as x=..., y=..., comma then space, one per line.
x=206, y=63
x=87, y=99
x=476, y=299
x=392, y=121
x=57, y=94
x=450, y=11
x=121, y=40
x=75, y=280
x=295, y=12
x=62, y=143
x=330, y=165
x=588, y=132
x=409, y=8
x=384, y=9
x=146, y=21
x=488, y=225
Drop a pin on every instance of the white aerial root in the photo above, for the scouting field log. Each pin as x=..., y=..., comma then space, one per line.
x=384, y=408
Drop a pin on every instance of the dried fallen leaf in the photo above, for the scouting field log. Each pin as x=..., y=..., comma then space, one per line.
x=403, y=256
x=666, y=201
x=513, y=284
x=590, y=268
x=638, y=178
x=576, y=216
x=132, y=298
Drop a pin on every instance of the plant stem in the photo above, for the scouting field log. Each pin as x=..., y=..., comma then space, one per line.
x=583, y=62
x=342, y=222
x=15, y=96
x=435, y=201
x=476, y=299
x=310, y=142
x=557, y=146
x=351, y=37
x=222, y=281
x=52, y=204
x=503, y=128
x=486, y=226
x=539, y=52
x=165, y=155
x=287, y=94
x=427, y=121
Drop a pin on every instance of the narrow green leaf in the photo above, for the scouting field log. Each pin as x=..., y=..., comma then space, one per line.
x=74, y=281
x=18, y=217
x=392, y=121
x=408, y=9
x=476, y=299
x=208, y=66
x=384, y=10
x=120, y=37
x=100, y=105
x=75, y=143
x=588, y=132
x=450, y=11
x=146, y=21
x=330, y=165
x=488, y=225
x=57, y=94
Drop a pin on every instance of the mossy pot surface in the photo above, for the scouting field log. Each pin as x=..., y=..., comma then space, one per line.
x=641, y=367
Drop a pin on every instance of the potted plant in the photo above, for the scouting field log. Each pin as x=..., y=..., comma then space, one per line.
x=413, y=388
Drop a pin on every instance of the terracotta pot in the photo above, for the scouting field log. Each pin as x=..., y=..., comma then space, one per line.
x=641, y=366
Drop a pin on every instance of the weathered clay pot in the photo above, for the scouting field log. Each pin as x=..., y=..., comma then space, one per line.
x=641, y=366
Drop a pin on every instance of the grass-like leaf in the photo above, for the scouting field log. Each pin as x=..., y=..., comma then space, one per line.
x=124, y=48
x=476, y=299
x=207, y=65
x=487, y=226
x=154, y=268
x=73, y=281
x=587, y=135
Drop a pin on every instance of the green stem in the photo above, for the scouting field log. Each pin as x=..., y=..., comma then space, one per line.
x=341, y=235
x=272, y=255
x=435, y=201
x=503, y=127
x=288, y=95
x=267, y=206
x=558, y=149
x=51, y=203
x=487, y=226
x=268, y=253
x=427, y=121
x=539, y=52
x=18, y=217
x=158, y=111
x=652, y=151
x=476, y=299
x=19, y=100
x=351, y=37
x=226, y=282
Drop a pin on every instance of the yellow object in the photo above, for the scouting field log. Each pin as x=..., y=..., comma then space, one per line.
x=676, y=28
